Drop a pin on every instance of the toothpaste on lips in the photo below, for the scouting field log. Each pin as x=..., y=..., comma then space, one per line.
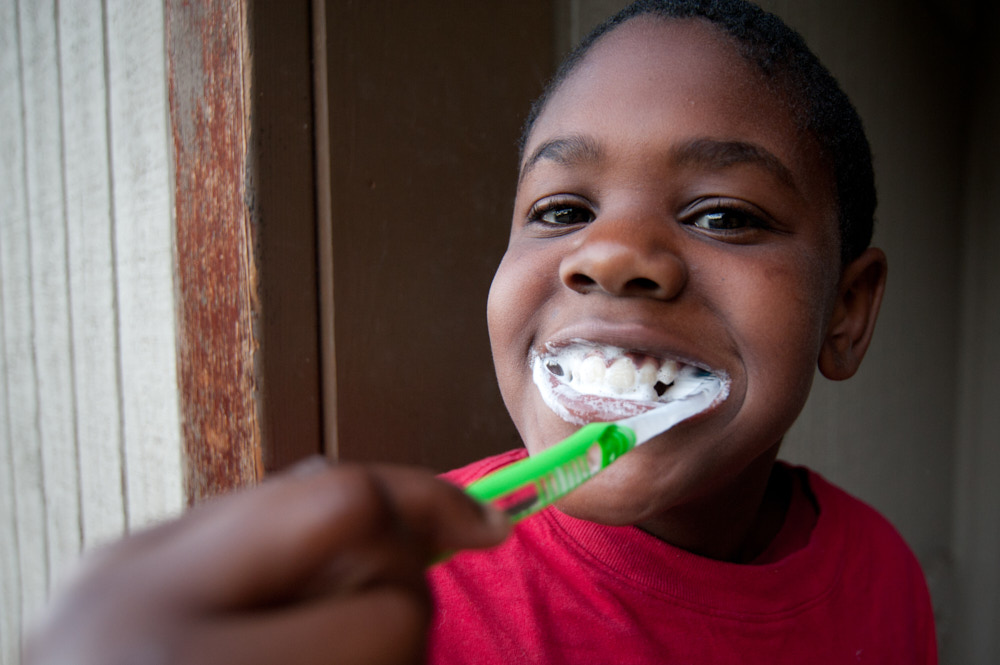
x=583, y=381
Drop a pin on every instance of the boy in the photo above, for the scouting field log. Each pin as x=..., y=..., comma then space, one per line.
x=694, y=191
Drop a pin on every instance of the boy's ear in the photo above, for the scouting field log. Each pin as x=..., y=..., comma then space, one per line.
x=849, y=332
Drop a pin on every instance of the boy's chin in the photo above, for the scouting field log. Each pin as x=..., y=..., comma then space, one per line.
x=601, y=509
x=611, y=499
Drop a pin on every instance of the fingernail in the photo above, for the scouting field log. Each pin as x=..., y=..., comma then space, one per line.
x=497, y=521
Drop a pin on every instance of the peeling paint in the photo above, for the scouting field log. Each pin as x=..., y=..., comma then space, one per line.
x=216, y=263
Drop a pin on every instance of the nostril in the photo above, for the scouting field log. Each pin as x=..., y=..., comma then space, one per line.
x=623, y=268
x=641, y=284
x=580, y=281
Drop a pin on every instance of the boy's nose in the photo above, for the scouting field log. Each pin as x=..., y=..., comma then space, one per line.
x=621, y=262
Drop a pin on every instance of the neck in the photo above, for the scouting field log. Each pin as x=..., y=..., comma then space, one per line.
x=734, y=522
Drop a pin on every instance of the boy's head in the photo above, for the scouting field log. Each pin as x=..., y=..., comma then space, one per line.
x=674, y=210
x=791, y=71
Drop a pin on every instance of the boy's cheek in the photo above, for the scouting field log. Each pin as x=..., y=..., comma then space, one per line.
x=498, y=312
x=504, y=324
x=517, y=299
x=781, y=311
x=515, y=295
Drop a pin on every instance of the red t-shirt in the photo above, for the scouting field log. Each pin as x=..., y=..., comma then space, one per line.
x=840, y=587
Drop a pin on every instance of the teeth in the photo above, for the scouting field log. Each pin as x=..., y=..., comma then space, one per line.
x=610, y=371
x=668, y=372
x=648, y=375
x=621, y=375
x=584, y=381
x=592, y=371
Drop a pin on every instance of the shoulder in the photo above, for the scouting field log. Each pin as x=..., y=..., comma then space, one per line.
x=881, y=576
x=874, y=551
x=844, y=512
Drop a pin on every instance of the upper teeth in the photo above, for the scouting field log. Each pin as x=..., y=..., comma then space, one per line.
x=611, y=372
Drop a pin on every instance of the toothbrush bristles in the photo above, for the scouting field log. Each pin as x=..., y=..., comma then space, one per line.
x=564, y=478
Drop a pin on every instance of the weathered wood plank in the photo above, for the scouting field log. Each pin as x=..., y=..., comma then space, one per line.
x=10, y=585
x=12, y=196
x=91, y=268
x=144, y=259
x=49, y=282
x=22, y=396
x=217, y=279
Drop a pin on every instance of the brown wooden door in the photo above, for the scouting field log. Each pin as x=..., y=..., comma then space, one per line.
x=425, y=101
x=344, y=175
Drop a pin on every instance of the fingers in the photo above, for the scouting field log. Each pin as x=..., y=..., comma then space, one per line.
x=439, y=511
x=322, y=563
x=345, y=525
x=316, y=530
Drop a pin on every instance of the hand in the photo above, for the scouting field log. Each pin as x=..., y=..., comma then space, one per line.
x=323, y=564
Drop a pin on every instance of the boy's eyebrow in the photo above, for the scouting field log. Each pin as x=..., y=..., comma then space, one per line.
x=716, y=154
x=564, y=150
x=704, y=152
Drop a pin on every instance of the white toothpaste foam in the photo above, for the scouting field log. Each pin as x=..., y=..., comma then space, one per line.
x=613, y=381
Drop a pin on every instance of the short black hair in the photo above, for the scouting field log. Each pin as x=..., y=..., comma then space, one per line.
x=817, y=101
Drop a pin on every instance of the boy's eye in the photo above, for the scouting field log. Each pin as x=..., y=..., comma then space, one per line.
x=566, y=216
x=560, y=213
x=726, y=220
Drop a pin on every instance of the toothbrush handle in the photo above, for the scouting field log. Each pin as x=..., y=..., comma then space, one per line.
x=531, y=484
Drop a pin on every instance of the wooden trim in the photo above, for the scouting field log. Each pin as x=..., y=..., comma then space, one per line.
x=283, y=220
x=324, y=231
x=216, y=269
x=241, y=106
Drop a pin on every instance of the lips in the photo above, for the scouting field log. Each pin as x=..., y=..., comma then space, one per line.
x=584, y=381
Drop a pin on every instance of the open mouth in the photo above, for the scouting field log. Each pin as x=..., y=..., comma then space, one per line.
x=585, y=382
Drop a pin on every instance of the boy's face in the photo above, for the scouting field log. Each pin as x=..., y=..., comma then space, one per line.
x=669, y=207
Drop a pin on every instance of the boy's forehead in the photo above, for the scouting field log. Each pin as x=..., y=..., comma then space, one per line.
x=682, y=43
x=648, y=63
x=672, y=84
